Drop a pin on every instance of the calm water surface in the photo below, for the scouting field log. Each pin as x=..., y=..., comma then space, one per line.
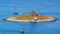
x=29, y=28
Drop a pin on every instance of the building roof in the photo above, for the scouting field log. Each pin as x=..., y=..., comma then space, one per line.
x=33, y=13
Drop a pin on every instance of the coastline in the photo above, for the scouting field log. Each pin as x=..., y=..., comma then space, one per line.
x=32, y=17
x=50, y=19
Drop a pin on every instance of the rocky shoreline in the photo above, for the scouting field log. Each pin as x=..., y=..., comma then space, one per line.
x=45, y=20
x=33, y=17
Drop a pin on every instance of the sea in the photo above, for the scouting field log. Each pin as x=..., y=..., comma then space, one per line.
x=50, y=8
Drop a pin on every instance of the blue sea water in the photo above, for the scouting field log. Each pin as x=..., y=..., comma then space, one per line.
x=49, y=8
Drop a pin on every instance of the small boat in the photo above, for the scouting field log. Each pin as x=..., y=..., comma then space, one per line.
x=15, y=13
x=22, y=31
